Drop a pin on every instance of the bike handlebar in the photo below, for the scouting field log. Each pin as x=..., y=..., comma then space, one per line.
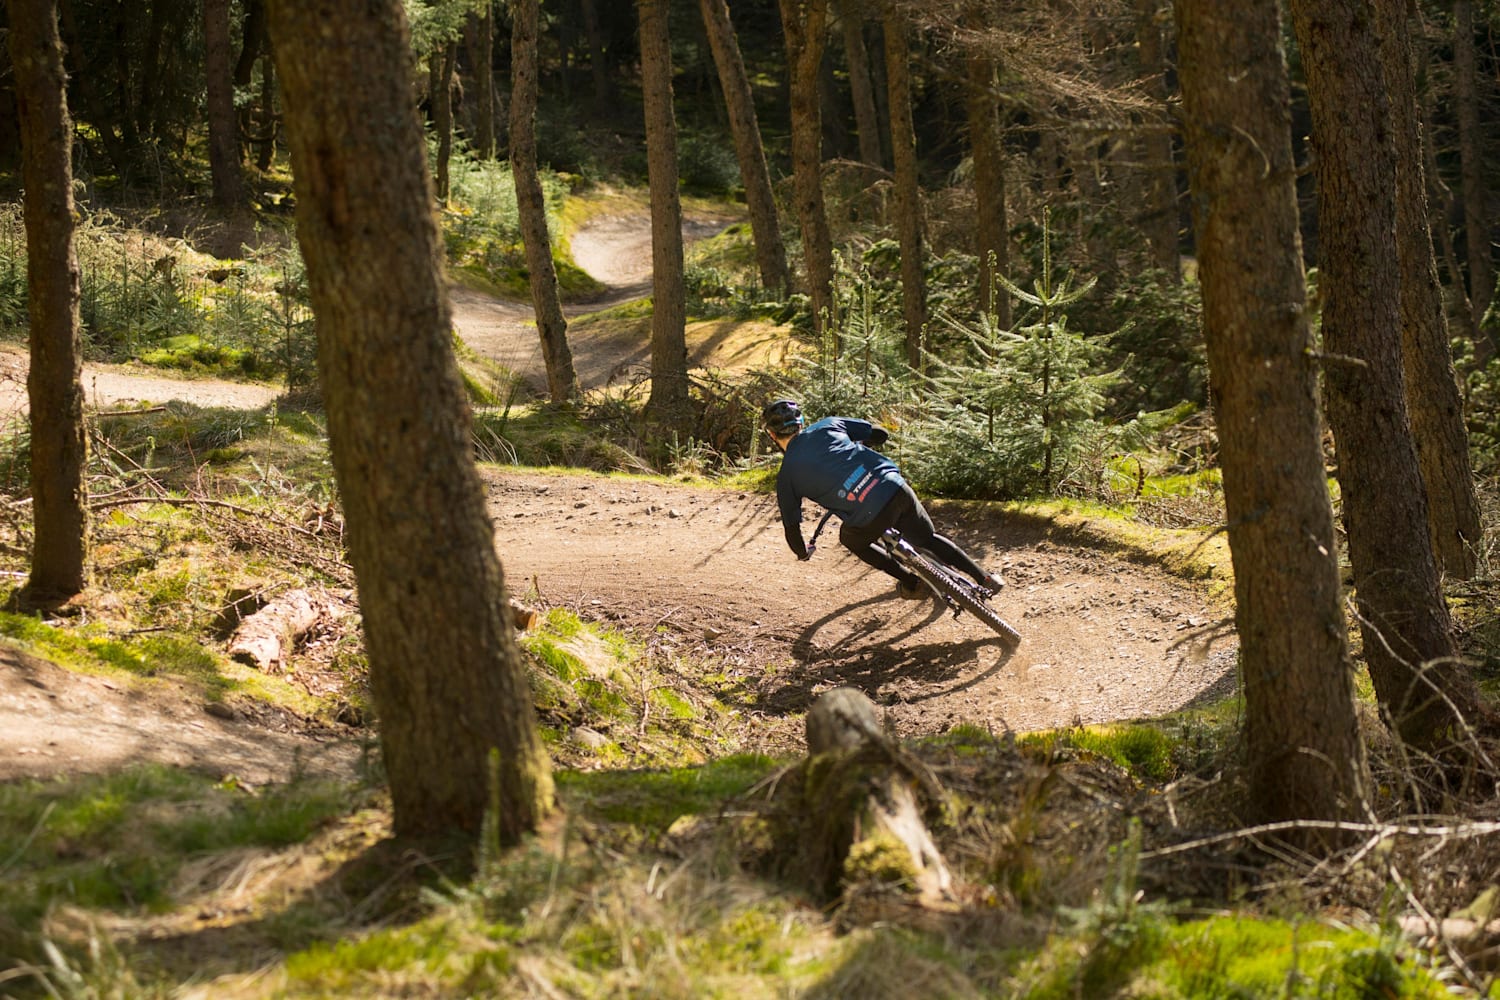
x=818, y=531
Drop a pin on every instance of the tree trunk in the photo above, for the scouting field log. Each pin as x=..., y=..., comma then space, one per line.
x=482, y=63
x=760, y=200
x=223, y=125
x=1471, y=160
x=908, y=189
x=145, y=111
x=1159, y=190
x=1304, y=753
x=1090, y=163
x=805, y=23
x=668, y=404
x=89, y=87
x=253, y=45
x=252, y=42
x=531, y=205
x=991, y=226
x=1442, y=196
x=1404, y=622
x=598, y=70
x=447, y=678
x=442, y=113
x=836, y=137
x=270, y=121
x=866, y=118
x=1432, y=395
x=54, y=387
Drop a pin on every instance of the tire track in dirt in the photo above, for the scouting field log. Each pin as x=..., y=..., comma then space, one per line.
x=706, y=574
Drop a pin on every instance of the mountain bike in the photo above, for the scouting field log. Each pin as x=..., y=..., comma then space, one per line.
x=953, y=588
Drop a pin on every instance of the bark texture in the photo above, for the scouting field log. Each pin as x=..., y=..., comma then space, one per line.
x=861, y=91
x=863, y=806
x=481, y=39
x=1471, y=166
x=442, y=112
x=805, y=24
x=1304, y=753
x=1432, y=392
x=908, y=189
x=59, y=442
x=760, y=199
x=1404, y=621
x=991, y=225
x=531, y=205
x=223, y=125
x=446, y=675
x=1158, y=219
x=669, y=385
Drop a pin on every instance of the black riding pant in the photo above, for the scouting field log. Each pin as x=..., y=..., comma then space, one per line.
x=906, y=514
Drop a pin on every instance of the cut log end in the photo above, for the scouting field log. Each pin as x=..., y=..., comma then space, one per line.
x=523, y=618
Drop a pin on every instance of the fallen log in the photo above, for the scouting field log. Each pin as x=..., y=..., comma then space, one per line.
x=265, y=638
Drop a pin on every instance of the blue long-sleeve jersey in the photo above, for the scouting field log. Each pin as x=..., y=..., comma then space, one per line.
x=829, y=464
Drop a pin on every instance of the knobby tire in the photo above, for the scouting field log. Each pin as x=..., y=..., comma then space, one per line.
x=948, y=587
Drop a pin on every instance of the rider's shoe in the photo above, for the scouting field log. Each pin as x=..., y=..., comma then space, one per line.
x=992, y=582
x=911, y=590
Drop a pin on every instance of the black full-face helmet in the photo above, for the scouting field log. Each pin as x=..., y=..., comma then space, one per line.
x=782, y=417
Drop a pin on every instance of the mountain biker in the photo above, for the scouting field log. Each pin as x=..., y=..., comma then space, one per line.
x=833, y=463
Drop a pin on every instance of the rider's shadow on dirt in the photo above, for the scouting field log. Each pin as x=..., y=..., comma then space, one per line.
x=871, y=656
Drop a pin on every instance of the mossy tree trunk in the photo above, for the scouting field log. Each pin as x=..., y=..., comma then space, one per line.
x=1404, y=620
x=668, y=404
x=805, y=24
x=59, y=443
x=908, y=188
x=860, y=815
x=447, y=677
x=1432, y=393
x=1305, y=758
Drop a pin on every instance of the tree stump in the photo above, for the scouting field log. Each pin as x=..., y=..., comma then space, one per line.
x=861, y=806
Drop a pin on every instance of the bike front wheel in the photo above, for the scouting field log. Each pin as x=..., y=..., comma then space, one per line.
x=963, y=595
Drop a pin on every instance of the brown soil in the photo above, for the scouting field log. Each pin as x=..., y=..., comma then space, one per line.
x=702, y=574
x=118, y=386
x=55, y=721
x=706, y=574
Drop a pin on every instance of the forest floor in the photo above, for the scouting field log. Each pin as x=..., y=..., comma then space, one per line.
x=704, y=576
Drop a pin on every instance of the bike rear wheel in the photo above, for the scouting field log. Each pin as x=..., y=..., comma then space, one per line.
x=963, y=594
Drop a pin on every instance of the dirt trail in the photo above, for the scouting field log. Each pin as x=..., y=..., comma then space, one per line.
x=109, y=386
x=702, y=572
x=616, y=251
x=708, y=572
